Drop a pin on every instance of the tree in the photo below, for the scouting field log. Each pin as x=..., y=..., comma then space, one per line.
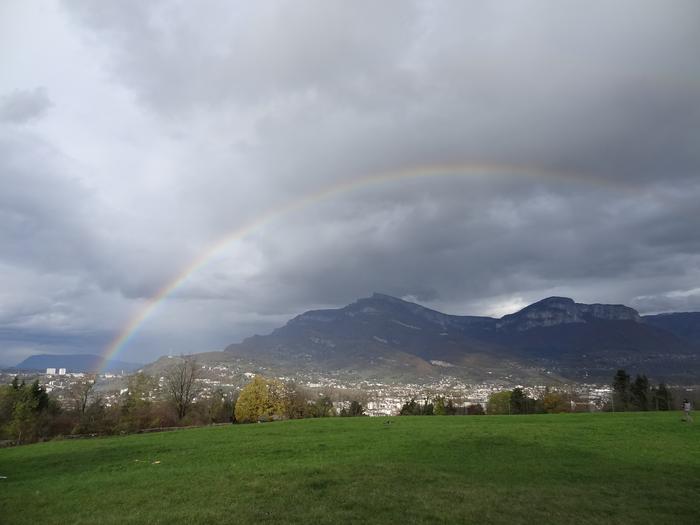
x=428, y=409
x=8, y=397
x=81, y=393
x=23, y=423
x=39, y=395
x=499, y=403
x=661, y=398
x=180, y=385
x=475, y=410
x=323, y=407
x=639, y=393
x=261, y=399
x=296, y=402
x=439, y=406
x=555, y=402
x=136, y=404
x=518, y=401
x=219, y=407
x=410, y=408
x=93, y=418
x=29, y=406
x=621, y=391
x=356, y=409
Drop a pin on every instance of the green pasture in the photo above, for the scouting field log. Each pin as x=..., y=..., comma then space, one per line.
x=567, y=468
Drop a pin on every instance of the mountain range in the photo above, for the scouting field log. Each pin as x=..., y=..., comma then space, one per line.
x=556, y=339
x=385, y=338
x=74, y=363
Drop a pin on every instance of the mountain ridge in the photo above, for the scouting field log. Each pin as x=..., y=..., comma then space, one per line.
x=88, y=363
x=382, y=336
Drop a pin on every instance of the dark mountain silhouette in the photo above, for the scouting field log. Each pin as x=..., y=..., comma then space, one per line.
x=387, y=338
x=88, y=363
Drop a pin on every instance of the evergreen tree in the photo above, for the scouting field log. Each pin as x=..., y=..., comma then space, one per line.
x=39, y=395
x=24, y=411
x=621, y=391
x=518, y=401
x=661, y=398
x=356, y=409
x=639, y=393
x=410, y=408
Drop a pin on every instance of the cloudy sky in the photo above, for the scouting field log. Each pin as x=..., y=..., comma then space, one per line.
x=134, y=136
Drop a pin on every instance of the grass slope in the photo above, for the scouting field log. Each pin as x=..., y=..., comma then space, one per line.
x=580, y=468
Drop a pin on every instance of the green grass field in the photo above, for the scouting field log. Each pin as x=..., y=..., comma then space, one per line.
x=568, y=468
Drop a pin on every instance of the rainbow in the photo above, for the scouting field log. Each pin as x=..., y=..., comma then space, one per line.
x=435, y=171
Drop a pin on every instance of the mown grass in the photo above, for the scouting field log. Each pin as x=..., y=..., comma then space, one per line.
x=569, y=468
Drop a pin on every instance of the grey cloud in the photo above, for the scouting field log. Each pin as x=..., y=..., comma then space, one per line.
x=43, y=220
x=54, y=222
x=603, y=89
x=282, y=50
x=22, y=106
x=680, y=301
x=462, y=241
x=243, y=108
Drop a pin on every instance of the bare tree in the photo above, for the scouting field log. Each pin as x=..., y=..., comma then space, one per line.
x=180, y=384
x=81, y=393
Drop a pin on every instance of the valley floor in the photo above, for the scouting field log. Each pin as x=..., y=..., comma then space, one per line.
x=566, y=468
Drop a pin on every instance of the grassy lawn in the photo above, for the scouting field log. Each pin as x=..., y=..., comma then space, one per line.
x=568, y=468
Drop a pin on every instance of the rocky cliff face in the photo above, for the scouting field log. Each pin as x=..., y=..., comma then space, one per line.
x=555, y=311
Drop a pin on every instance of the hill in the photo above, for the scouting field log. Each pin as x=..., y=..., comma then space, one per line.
x=685, y=325
x=573, y=468
x=386, y=338
x=88, y=363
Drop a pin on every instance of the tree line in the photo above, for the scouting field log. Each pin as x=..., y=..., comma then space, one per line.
x=514, y=401
x=29, y=413
x=267, y=399
x=439, y=406
x=627, y=395
x=517, y=401
x=638, y=394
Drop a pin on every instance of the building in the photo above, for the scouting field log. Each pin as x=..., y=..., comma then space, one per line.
x=50, y=371
x=61, y=371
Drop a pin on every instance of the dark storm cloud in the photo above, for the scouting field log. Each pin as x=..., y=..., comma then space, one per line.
x=224, y=111
x=608, y=89
x=458, y=245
